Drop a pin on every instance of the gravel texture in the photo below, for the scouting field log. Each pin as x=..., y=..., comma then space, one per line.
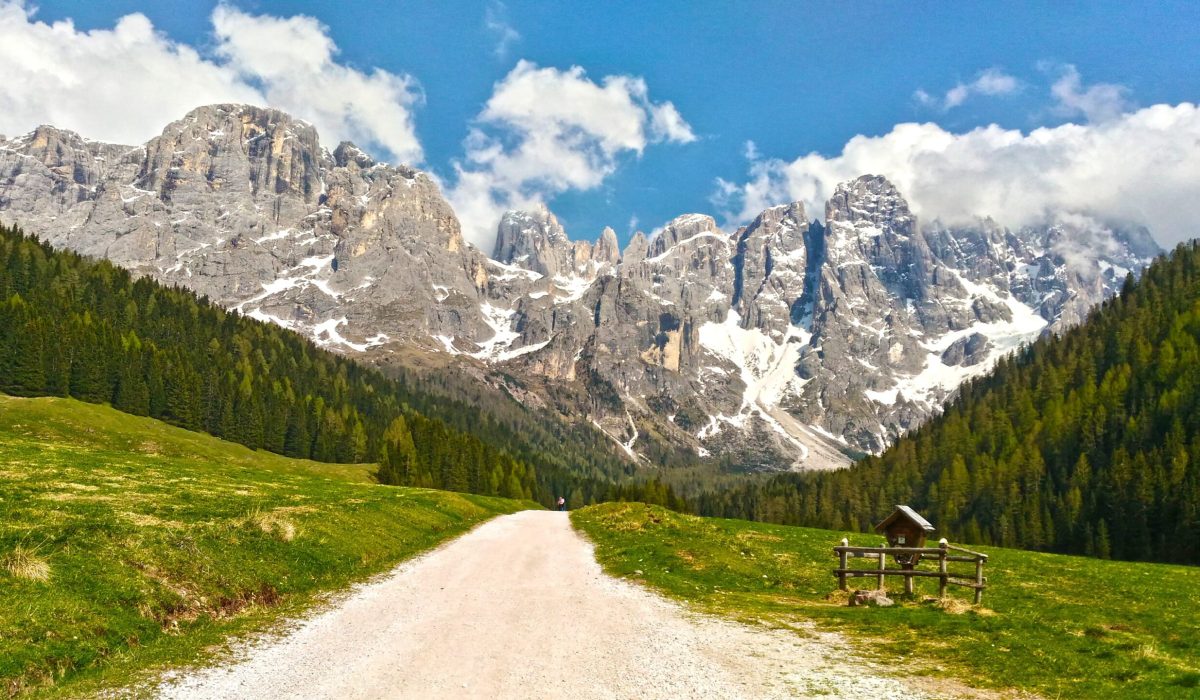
x=519, y=608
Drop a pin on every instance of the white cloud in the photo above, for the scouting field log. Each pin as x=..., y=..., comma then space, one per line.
x=495, y=20
x=1099, y=102
x=1141, y=167
x=293, y=60
x=124, y=84
x=545, y=131
x=992, y=82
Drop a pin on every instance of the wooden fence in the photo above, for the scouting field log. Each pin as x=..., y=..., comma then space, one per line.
x=910, y=557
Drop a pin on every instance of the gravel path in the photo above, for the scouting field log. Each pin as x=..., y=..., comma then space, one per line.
x=519, y=608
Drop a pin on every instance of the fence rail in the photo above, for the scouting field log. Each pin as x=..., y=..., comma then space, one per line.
x=941, y=555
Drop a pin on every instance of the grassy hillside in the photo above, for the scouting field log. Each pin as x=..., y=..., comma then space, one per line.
x=127, y=544
x=1057, y=625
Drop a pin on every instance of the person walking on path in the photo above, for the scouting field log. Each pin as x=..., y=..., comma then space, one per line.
x=562, y=503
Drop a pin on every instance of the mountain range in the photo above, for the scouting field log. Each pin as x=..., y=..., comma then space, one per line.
x=796, y=341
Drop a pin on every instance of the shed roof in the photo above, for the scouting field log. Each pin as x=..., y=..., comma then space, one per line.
x=905, y=512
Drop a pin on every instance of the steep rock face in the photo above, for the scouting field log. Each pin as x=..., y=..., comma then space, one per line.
x=788, y=343
x=244, y=205
x=608, y=250
x=536, y=241
x=770, y=268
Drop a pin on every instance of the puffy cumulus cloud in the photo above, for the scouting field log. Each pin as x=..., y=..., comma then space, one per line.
x=545, y=131
x=293, y=60
x=124, y=84
x=121, y=84
x=1139, y=168
x=992, y=81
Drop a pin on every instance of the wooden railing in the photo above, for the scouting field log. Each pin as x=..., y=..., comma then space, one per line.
x=944, y=554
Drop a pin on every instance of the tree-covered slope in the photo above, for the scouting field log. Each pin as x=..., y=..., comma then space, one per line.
x=1088, y=442
x=72, y=326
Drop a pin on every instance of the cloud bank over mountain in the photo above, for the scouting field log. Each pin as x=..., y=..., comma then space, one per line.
x=122, y=84
x=1140, y=167
x=545, y=131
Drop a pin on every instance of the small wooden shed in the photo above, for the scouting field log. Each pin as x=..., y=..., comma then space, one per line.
x=905, y=528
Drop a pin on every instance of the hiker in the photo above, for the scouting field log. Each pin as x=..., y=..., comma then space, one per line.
x=562, y=503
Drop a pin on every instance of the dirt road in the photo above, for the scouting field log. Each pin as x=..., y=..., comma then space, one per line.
x=519, y=608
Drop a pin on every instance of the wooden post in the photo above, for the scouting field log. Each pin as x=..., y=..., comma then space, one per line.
x=978, y=581
x=942, y=568
x=882, y=565
x=843, y=567
x=908, y=582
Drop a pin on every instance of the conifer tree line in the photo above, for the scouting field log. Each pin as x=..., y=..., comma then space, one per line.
x=77, y=327
x=1085, y=443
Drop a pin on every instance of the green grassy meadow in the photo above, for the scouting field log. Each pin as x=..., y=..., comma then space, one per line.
x=128, y=545
x=1058, y=626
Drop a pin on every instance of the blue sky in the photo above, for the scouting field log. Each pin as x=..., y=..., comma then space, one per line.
x=792, y=78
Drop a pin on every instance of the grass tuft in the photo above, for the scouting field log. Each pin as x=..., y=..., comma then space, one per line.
x=24, y=562
x=272, y=523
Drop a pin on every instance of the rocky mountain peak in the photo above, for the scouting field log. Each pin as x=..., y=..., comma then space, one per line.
x=347, y=154
x=608, y=249
x=770, y=265
x=533, y=239
x=636, y=249
x=252, y=150
x=68, y=155
x=868, y=221
x=51, y=141
x=789, y=215
x=682, y=228
x=869, y=198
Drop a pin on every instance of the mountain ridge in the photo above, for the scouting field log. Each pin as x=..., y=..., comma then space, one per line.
x=786, y=343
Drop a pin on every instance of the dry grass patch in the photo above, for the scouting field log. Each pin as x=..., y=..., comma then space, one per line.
x=957, y=606
x=147, y=520
x=273, y=523
x=838, y=597
x=24, y=562
x=74, y=496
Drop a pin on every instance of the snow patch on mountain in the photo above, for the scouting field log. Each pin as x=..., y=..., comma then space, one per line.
x=938, y=379
x=766, y=368
x=503, y=336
